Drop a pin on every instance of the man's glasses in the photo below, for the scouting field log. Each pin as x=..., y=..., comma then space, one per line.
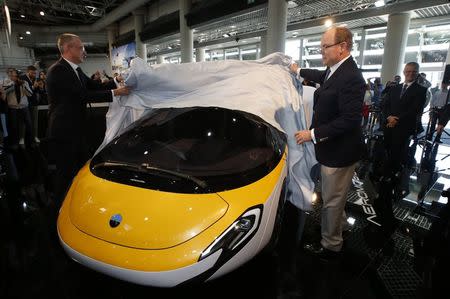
x=324, y=47
x=78, y=47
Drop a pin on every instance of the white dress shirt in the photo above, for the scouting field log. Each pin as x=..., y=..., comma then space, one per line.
x=333, y=69
x=75, y=66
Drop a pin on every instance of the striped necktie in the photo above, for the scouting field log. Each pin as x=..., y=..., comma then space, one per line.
x=81, y=76
x=327, y=73
x=405, y=87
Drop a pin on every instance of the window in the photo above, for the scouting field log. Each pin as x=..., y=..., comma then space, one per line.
x=232, y=53
x=249, y=53
x=293, y=48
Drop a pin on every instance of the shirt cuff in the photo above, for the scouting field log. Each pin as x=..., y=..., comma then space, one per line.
x=117, y=83
x=313, y=137
x=298, y=75
x=112, y=93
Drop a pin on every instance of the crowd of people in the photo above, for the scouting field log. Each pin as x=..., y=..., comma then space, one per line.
x=20, y=94
x=342, y=103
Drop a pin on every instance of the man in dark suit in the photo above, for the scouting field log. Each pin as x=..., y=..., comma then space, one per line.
x=69, y=90
x=444, y=117
x=30, y=77
x=335, y=131
x=402, y=107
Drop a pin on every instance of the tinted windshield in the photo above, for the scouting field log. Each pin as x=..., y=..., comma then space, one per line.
x=192, y=150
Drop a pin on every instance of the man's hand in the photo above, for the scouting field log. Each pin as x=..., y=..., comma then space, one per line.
x=303, y=136
x=119, y=79
x=121, y=91
x=293, y=68
x=392, y=121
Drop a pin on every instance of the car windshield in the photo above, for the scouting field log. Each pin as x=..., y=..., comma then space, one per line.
x=192, y=150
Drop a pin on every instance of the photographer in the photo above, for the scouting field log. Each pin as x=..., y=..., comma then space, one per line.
x=41, y=92
x=17, y=98
x=438, y=112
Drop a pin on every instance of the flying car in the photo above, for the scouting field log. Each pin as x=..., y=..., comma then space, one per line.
x=184, y=195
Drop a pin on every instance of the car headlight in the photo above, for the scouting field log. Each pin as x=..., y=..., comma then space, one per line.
x=237, y=234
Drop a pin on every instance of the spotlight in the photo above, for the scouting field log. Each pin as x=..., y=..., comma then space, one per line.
x=22, y=16
x=328, y=23
x=292, y=4
x=28, y=32
x=20, y=37
x=42, y=13
x=351, y=220
x=379, y=3
x=314, y=198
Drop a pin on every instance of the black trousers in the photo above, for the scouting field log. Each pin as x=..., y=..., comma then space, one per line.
x=435, y=115
x=69, y=157
x=396, y=145
x=15, y=118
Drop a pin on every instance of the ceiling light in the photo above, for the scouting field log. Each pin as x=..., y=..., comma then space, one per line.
x=22, y=16
x=41, y=13
x=328, y=23
x=20, y=37
x=169, y=47
x=226, y=35
x=8, y=21
x=28, y=32
x=380, y=3
x=94, y=11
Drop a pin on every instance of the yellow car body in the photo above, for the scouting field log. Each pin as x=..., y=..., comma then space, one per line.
x=155, y=237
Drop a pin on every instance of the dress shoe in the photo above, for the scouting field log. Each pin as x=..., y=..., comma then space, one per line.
x=319, y=251
x=347, y=232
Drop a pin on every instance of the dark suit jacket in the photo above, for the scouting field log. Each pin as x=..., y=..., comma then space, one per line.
x=445, y=115
x=32, y=100
x=407, y=107
x=67, y=97
x=337, y=114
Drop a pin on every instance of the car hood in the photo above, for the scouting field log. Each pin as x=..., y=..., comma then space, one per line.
x=137, y=217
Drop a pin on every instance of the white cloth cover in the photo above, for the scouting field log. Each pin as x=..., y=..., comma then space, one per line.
x=263, y=87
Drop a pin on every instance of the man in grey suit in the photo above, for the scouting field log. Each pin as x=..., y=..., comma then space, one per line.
x=335, y=131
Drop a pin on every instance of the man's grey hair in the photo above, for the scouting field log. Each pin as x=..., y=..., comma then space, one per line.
x=64, y=39
x=413, y=64
x=343, y=34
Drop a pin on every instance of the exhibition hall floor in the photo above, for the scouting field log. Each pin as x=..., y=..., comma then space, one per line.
x=34, y=264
